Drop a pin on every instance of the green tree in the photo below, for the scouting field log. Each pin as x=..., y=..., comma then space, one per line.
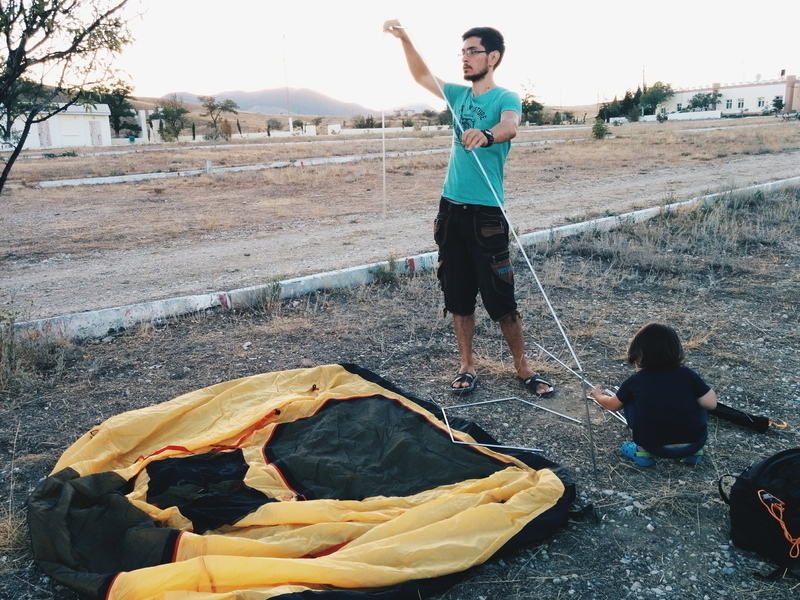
x=627, y=104
x=704, y=100
x=430, y=115
x=275, y=124
x=610, y=110
x=172, y=114
x=657, y=94
x=215, y=109
x=532, y=111
x=445, y=117
x=368, y=122
x=298, y=124
x=637, y=97
x=117, y=97
x=53, y=50
x=777, y=104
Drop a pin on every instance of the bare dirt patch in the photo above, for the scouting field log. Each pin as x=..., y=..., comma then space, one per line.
x=728, y=282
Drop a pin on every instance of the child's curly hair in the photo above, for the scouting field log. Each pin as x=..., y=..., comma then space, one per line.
x=656, y=347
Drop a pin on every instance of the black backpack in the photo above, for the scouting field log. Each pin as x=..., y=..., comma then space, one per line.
x=765, y=509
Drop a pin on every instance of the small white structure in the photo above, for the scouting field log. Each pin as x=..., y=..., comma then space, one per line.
x=687, y=116
x=80, y=125
x=748, y=98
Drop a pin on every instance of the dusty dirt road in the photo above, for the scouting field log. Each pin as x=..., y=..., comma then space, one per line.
x=545, y=187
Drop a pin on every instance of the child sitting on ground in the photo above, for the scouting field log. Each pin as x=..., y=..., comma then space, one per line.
x=665, y=403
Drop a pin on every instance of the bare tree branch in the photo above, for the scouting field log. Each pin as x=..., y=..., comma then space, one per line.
x=58, y=48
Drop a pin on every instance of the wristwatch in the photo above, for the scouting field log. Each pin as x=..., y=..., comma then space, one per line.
x=489, y=137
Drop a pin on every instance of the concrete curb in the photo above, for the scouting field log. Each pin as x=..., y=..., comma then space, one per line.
x=108, y=321
x=100, y=323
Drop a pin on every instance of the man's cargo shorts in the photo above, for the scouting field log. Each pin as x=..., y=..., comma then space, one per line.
x=474, y=257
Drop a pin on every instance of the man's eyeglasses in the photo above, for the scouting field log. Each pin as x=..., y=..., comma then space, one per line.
x=471, y=52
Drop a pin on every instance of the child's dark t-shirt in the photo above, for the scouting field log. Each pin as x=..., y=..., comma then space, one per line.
x=661, y=406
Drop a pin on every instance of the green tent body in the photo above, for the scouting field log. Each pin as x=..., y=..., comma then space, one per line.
x=327, y=482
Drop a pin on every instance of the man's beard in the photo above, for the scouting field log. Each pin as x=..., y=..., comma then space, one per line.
x=477, y=76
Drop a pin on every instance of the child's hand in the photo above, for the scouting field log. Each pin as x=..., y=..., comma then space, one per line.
x=598, y=392
x=606, y=400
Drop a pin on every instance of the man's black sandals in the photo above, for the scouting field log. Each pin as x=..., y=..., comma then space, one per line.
x=533, y=382
x=468, y=378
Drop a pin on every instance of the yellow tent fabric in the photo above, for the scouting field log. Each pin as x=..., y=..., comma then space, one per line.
x=293, y=544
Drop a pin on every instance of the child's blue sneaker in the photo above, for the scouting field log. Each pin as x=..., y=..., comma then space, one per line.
x=694, y=459
x=640, y=457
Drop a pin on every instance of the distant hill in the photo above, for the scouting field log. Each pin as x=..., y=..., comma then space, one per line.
x=302, y=102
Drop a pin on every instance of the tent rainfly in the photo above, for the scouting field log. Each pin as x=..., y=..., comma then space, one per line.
x=327, y=482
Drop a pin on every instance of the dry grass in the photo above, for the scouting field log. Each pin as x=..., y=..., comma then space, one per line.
x=31, y=361
x=636, y=145
x=14, y=543
x=13, y=538
x=705, y=238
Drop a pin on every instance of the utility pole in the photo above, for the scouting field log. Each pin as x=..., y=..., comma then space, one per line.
x=286, y=82
x=644, y=87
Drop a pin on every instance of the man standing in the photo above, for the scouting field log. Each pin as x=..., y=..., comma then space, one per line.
x=470, y=229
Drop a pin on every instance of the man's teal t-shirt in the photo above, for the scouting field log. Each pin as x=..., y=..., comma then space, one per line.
x=465, y=181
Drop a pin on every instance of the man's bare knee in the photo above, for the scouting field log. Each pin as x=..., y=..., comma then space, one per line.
x=510, y=318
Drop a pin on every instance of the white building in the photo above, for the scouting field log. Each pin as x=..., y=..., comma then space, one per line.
x=80, y=125
x=749, y=98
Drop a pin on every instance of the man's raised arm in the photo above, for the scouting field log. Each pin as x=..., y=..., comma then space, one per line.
x=417, y=66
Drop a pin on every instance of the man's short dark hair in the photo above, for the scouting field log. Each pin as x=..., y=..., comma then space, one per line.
x=491, y=39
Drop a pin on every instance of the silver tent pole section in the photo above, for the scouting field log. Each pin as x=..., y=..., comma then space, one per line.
x=585, y=381
x=589, y=427
x=539, y=406
x=499, y=446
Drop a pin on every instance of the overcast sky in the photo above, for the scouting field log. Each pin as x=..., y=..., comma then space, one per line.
x=576, y=53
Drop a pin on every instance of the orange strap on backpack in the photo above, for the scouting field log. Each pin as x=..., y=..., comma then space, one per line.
x=775, y=507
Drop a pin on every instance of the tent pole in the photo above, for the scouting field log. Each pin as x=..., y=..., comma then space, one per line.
x=585, y=389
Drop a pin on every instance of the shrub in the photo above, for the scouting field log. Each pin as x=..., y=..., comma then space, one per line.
x=271, y=298
x=599, y=129
x=385, y=274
